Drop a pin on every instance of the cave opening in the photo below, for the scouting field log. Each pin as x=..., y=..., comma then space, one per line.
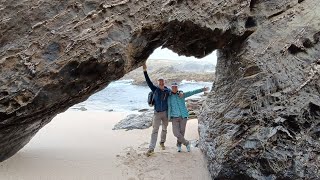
x=182, y=47
x=189, y=72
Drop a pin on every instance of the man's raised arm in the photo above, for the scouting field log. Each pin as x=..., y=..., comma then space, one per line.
x=150, y=84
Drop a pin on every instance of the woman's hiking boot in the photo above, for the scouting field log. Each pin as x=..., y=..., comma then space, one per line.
x=179, y=148
x=162, y=146
x=188, y=147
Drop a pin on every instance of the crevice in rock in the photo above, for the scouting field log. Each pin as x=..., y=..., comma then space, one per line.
x=3, y=94
x=4, y=116
x=235, y=45
x=266, y=168
x=276, y=14
x=293, y=49
x=173, y=2
x=252, y=4
x=292, y=124
x=314, y=110
x=281, y=12
x=316, y=37
x=307, y=43
x=315, y=132
x=251, y=22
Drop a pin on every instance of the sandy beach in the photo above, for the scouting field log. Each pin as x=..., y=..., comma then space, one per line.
x=82, y=145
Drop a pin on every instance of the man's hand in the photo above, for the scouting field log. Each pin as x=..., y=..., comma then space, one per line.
x=205, y=89
x=181, y=94
x=144, y=66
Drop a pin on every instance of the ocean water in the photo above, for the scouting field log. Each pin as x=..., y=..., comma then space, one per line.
x=123, y=96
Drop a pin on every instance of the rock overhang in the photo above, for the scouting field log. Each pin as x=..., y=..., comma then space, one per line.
x=267, y=72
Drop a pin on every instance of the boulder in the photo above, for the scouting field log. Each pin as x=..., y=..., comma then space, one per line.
x=262, y=119
x=194, y=106
x=135, y=121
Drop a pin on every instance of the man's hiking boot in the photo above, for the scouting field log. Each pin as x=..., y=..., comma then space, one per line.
x=188, y=147
x=149, y=152
x=179, y=148
x=162, y=146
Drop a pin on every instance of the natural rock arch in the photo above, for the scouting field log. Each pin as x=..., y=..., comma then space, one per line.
x=265, y=108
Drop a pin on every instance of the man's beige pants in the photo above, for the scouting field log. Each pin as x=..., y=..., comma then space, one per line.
x=157, y=119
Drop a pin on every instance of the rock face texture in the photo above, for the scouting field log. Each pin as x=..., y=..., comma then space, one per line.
x=262, y=121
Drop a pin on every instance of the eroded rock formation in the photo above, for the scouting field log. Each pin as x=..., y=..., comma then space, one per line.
x=261, y=122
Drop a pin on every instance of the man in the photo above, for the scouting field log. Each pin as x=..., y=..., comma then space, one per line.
x=178, y=113
x=161, y=94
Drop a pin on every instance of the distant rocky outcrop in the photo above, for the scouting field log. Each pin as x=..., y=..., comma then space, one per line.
x=174, y=71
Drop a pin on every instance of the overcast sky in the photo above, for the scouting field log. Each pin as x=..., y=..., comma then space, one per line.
x=168, y=54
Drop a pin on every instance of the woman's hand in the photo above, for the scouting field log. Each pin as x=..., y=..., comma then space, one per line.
x=205, y=89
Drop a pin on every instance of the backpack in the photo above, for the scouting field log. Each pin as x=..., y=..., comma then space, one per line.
x=151, y=99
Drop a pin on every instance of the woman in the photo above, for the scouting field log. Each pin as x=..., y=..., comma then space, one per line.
x=178, y=113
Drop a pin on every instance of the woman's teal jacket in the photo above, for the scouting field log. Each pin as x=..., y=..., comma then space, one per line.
x=177, y=106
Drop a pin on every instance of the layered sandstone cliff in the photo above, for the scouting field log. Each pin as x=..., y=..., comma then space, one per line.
x=262, y=121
